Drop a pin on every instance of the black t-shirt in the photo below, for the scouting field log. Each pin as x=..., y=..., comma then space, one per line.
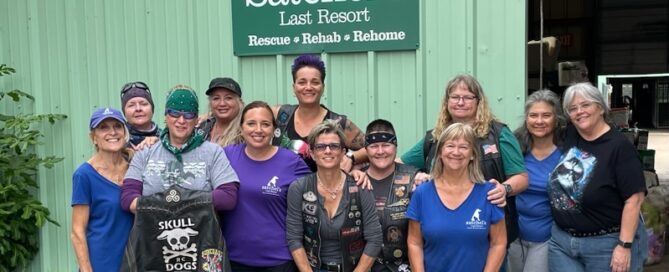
x=381, y=192
x=589, y=186
x=292, y=134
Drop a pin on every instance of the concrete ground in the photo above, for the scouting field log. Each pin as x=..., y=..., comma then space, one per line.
x=658, y=140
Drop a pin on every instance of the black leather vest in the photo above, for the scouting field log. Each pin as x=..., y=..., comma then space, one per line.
x=350, y=234
x=395, y=224
x=286, y=112
x=491, y=166
x=176, y=230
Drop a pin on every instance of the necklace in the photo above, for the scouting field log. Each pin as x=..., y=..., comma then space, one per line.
x=333, y=193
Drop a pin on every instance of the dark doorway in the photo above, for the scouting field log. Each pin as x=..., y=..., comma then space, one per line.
x=638, y=95
x=646, y=98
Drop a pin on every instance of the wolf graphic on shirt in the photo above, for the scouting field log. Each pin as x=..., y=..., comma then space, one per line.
x=569, y=179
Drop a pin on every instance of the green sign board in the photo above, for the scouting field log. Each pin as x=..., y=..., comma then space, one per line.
x=269, y=27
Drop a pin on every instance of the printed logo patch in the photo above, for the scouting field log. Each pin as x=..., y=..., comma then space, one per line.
x=212, y=260
x=181, y=255
x=475, y=221
x=271, y=188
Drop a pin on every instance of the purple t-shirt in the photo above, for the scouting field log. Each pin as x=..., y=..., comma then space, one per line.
x=255, y=231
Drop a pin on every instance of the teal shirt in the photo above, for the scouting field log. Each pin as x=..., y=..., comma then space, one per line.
x=512, y=158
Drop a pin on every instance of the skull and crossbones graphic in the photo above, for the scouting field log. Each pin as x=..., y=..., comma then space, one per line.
x=178, y=239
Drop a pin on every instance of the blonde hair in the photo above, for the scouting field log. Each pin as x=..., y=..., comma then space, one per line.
x=454, y=132
x=233, y=133
x=127, y=152
x=484, y=116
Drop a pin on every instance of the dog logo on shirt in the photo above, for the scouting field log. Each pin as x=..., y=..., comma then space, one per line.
x=271, y=188
x=476, y=216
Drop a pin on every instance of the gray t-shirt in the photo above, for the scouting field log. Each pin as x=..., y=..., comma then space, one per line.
x=204, y=168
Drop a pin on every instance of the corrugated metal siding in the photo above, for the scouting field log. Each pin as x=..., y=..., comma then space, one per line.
x=74, y=55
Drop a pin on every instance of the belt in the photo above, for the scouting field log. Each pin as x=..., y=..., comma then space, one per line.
x=331, y=267
x=574, y=233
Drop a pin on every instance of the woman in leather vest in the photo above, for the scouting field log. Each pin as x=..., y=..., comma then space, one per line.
x=501, y=160
x=296, y=121
x=332, y=224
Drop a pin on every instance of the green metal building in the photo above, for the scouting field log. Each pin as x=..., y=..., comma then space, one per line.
x=74, y=56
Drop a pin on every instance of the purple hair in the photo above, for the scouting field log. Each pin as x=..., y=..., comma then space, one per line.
x=312, y=61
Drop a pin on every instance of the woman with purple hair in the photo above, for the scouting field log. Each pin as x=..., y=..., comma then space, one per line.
x=296, y=121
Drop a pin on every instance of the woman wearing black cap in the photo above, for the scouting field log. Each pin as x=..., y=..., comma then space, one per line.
x=99, y=227
x=225, y=103
x=137, y=106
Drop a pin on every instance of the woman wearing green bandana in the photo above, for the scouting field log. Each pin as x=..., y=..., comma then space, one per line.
x=183, y=158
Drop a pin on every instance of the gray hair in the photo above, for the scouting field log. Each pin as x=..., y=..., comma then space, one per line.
x=327, y=126
x=589, y=93
x=550, y=98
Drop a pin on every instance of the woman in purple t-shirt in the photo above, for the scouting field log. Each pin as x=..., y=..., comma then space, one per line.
x=256, y=229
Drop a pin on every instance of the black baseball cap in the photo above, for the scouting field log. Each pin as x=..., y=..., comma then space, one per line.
x=225, y=83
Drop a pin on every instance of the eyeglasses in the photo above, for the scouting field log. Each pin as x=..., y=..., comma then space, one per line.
x=582, y=106
x=323, y=147
x=137, y=84
x=465, y=98
x=176, y=114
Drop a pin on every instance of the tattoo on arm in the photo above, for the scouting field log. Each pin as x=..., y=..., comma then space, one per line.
x=358, y=139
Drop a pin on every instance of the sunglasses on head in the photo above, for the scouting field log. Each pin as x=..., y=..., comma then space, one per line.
x=137, y=84
x=176, y=114
x=323, y=147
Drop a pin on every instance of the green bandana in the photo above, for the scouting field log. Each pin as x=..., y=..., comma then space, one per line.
x=195, y=140
x=182, y=98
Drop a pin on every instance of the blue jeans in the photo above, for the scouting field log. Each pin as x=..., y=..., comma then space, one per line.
x=574, y=254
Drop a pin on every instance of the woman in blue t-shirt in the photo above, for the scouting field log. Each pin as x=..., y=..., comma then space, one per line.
x=539, y=137
x=99, y=227
x=452, y=226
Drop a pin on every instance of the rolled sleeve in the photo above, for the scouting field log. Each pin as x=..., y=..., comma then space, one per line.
x=372, y=226
x=512, y=157
x=415, y=156
x=221, y=170
x=294, y=229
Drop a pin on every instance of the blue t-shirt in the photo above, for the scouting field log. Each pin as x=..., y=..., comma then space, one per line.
x=454, y=240
x=255, y=231
x=108, y=226
x=533, y=205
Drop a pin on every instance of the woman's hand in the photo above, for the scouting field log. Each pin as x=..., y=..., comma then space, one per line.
x=620, y=260
x=419, y=179
x=497, y=195
x=146, y=143
x=346, y=164
x=361, y=179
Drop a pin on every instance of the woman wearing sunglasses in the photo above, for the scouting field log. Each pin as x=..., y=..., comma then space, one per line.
x=332, y=225
x=185, y=159
x=138, y=108
x=182, y=151
x=262, y=198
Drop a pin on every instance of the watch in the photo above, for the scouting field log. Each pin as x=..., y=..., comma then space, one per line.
x=508, y=189
x=349, y=154
x=624, y=244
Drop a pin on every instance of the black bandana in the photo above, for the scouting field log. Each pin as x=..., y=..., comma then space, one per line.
x=380, y=137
